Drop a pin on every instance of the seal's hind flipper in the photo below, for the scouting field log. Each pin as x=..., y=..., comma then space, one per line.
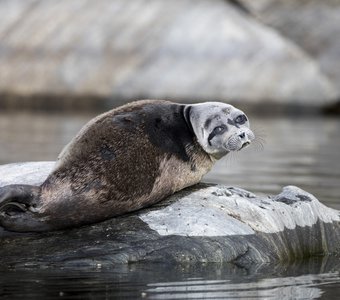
x=17, y=207
x=18, y=196
x=6, y=207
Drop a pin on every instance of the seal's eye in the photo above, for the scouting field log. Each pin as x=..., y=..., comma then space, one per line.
x=219, y=129
x=241, y=119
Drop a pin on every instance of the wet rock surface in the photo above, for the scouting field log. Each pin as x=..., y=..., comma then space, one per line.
x=204, y=223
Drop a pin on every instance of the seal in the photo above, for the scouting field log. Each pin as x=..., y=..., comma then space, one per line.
x=126, y=159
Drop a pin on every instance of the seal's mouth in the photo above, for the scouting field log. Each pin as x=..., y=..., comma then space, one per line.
x=239, y=141
x=235, y=145
x=245, y=144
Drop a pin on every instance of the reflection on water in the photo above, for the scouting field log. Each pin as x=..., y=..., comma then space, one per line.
x=312, y=279
x=299, y=287
x=303, y=152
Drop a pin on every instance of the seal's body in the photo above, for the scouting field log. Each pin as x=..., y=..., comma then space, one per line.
x=126, y=159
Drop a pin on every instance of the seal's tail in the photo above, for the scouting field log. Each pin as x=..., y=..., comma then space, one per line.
x=17, y=207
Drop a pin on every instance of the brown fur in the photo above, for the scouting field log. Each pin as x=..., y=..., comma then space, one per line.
x=109, y=169
x=128, y=158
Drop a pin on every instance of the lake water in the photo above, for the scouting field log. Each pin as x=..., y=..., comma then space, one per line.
x=302, y=151
x=312, y=279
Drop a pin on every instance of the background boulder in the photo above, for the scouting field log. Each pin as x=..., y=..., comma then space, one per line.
x=311, y=24
x=111, y=50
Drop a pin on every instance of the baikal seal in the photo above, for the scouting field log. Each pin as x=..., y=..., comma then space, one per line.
x=125, y=159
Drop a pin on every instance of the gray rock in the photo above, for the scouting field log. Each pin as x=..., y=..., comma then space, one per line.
x=181, y=49
x=33, y=173
x=204, y=223
x=313, y=25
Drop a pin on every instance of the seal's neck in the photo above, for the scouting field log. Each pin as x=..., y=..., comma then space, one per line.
x=186, y=114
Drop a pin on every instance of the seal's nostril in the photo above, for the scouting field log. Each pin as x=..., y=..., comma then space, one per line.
x=242, y=135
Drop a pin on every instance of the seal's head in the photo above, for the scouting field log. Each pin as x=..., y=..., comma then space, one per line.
x=219, y=127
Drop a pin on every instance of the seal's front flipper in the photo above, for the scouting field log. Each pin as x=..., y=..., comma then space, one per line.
x=18, y=207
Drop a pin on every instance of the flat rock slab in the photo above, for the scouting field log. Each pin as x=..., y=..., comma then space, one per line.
x=204, y=223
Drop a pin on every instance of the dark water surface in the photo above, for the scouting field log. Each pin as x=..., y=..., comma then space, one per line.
x=312, y=279
x=296, y=151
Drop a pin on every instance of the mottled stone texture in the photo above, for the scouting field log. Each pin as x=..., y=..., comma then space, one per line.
x=204, y=223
